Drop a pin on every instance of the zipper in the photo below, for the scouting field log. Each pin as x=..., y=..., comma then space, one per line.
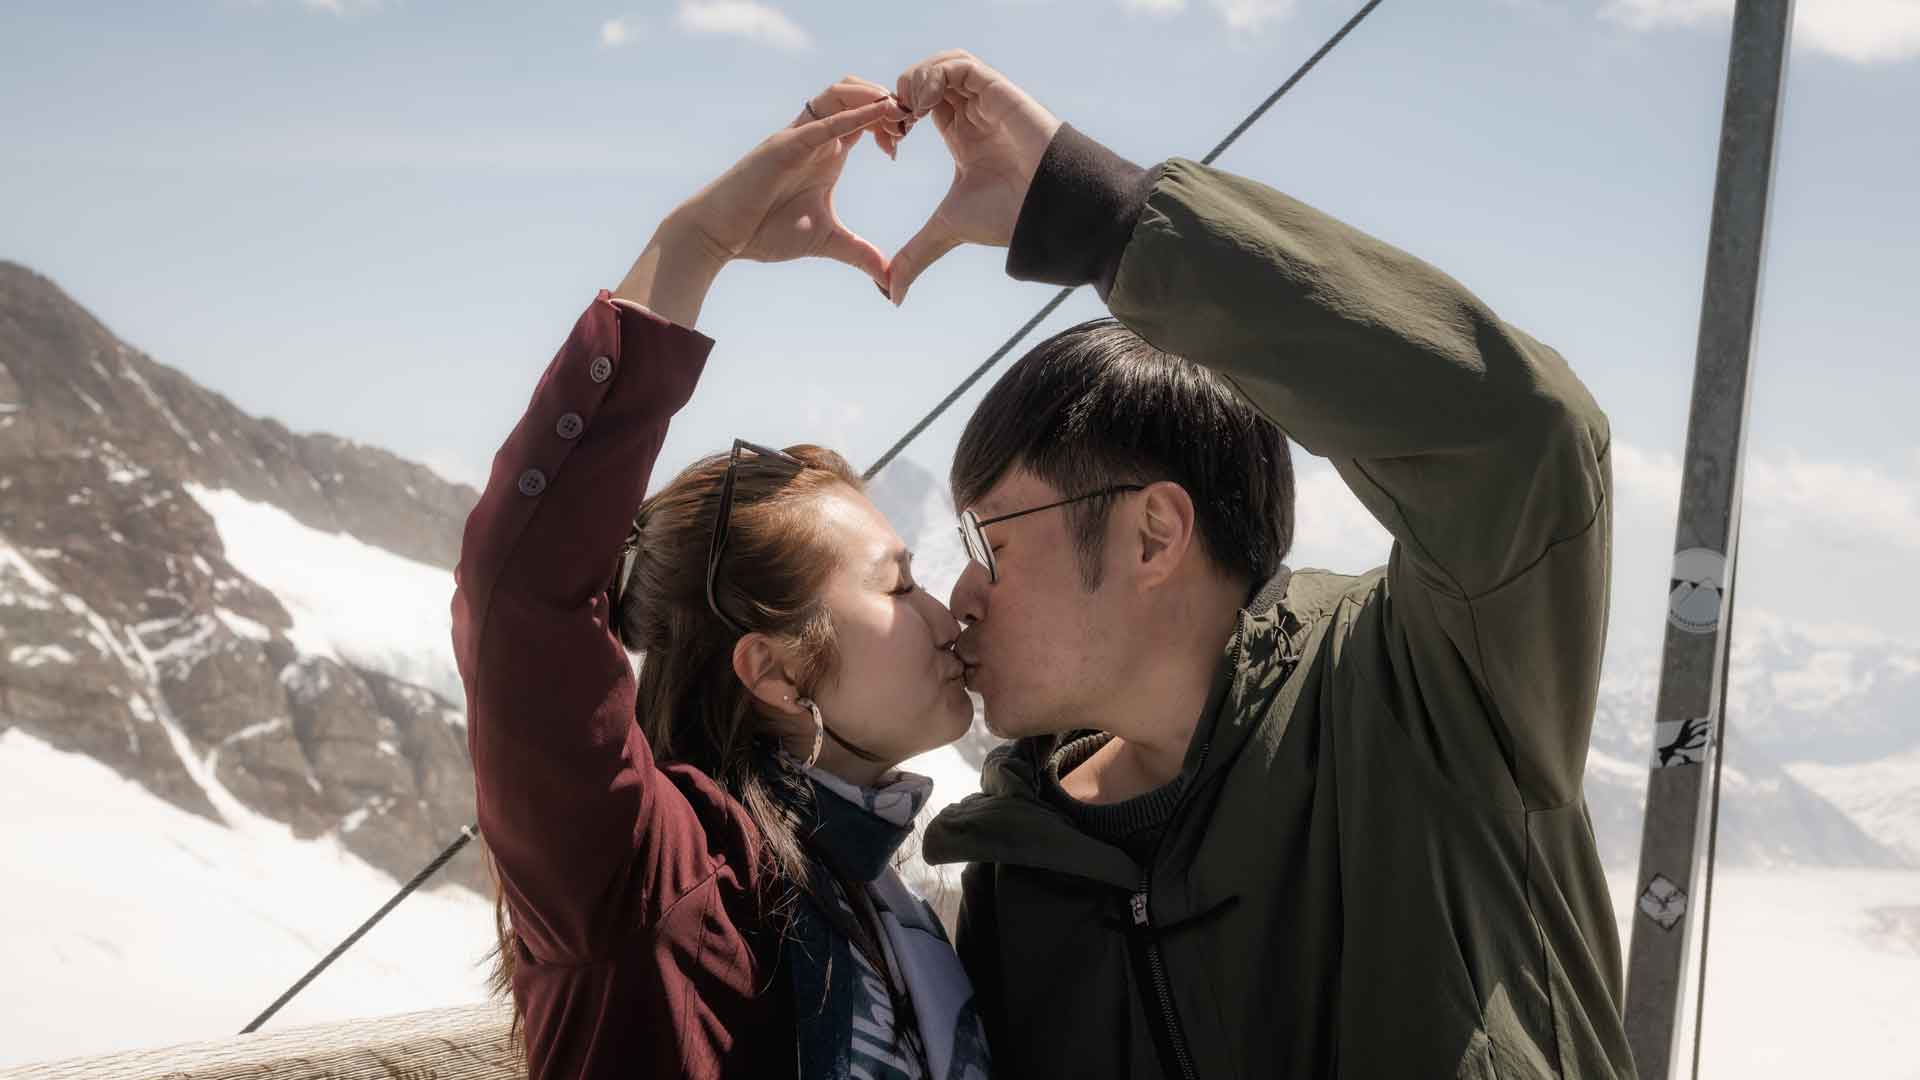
x=1143, y=919
x=1163, y=990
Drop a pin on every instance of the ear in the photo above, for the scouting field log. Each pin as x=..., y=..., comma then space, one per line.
x=761, y=668
x=1165, y=524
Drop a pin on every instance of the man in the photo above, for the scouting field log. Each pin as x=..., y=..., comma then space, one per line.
x=1261, y=823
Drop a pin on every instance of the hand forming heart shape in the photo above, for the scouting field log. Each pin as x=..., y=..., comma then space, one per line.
x=776, y=203
x=997, y=135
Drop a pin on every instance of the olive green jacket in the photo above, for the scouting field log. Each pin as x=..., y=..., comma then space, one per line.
x=1382, y=865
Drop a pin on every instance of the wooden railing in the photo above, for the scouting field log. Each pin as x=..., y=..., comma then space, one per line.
x=465, y=1043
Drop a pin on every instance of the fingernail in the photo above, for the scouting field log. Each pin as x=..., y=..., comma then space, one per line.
x=883, y=291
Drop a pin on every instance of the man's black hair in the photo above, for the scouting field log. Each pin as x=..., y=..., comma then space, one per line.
x=1097, y=405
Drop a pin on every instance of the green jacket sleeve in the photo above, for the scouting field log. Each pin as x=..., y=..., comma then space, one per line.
x=1473, y=444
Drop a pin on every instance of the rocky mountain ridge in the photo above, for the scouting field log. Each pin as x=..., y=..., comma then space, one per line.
x=126, y=635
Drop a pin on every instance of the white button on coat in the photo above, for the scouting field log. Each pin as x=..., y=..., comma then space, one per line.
x=570, y=426
x=533, y=482
x=601, y=369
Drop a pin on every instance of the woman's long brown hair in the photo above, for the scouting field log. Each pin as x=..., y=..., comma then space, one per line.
x=689, y=703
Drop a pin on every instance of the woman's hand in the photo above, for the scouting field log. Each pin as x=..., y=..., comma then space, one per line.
x=776, y=203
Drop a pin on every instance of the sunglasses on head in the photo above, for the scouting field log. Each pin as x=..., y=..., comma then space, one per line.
x=723, y=517
x=718, y=545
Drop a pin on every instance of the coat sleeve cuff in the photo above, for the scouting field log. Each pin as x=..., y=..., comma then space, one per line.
x=1078, y=215
x=679, y=353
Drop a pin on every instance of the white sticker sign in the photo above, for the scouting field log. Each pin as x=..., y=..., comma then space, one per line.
x=1696, y=591
x=1663, y=902
x=1682, y=742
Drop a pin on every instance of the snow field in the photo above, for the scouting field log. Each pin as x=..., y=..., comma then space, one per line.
x=127, y=922
x=349, y=600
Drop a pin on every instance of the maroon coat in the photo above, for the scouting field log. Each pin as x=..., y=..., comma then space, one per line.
x=631, y=885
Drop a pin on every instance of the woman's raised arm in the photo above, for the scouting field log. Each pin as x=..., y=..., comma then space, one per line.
x=569, y=796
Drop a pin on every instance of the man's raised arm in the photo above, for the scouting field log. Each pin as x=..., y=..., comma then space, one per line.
x=1475, y=445
x=1472, y=443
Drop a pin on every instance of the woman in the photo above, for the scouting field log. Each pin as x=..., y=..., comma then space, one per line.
x=694, y=864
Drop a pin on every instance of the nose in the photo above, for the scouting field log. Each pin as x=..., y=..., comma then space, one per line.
x=969, y=604
x=939, y=619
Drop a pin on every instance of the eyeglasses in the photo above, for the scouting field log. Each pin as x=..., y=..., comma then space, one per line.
x=721, y=519
x=976, y=541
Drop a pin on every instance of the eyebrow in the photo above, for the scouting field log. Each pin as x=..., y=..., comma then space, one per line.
x=902, y=557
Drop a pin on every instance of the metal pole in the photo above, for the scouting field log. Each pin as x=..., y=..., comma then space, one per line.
x=1689, y=709
x=467, y=832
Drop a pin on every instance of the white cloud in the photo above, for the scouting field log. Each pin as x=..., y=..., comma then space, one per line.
x=1840, y=508
x=1650, y=14
x=1861, y=31
x=1840, y=504
x=830, y=418
x=1829, y=678
x=1252, y=14
x=1849, y=501
x=1242, y=15
x=1331, y=530
x=340, y=7
x=1823, y=541
x=1645, y=476
x=744, y=18
x=617, y=32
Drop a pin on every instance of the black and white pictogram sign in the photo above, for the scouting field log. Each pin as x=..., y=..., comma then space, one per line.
x=1696, y=590
x=1663, y=902
x=1682, y=742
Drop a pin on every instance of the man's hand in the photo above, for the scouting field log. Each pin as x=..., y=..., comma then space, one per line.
x=997, y=135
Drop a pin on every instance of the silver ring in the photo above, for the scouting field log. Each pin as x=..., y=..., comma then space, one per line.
x=810, y=112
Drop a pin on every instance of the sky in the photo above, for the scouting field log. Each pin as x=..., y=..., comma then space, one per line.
x=378, y=219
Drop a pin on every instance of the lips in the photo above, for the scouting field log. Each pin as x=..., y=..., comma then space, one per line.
x=968, y=664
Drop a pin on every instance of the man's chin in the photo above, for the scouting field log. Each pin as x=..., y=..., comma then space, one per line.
x=1010, y=725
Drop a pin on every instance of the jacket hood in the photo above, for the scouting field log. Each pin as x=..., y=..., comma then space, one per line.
x=1010, y=821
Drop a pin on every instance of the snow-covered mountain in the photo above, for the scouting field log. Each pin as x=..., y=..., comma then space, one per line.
x=241, y=620
x=1822, y=745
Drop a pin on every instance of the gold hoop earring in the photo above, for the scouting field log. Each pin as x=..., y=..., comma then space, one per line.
x=819, y=730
